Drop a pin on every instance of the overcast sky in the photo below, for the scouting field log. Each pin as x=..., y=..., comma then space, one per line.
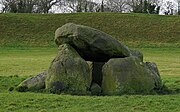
x=164, y=8
x=162, y=4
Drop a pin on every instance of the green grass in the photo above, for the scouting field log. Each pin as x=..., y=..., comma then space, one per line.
x=137, y=30
x=37, y=102
x=167, y=59
x=168, y=62
x=19, y=63
x=27, y=47
x=26, y=61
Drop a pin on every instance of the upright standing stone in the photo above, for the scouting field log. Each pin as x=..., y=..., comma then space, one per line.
x=152, y=67
x=68, y=72
x=97, y=72
x=127, y=76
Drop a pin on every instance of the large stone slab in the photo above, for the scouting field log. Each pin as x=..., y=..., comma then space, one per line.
x=68, y=72
x=90, y=43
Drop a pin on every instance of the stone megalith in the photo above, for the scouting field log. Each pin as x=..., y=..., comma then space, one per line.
x=33, y=83
x=68, y=72
x=128, y=76
x=137, y=54
x=90, y=43
x=114, y=68
x=152, y=67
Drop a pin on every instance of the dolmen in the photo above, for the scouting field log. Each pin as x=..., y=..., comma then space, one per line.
x=90, y=61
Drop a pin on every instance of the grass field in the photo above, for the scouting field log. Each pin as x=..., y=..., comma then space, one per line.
x=137, y=30
x=20, y=63
x=27, y=48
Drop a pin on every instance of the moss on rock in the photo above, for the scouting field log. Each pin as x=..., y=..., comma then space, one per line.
x=137, y=54
x=90, y=43
x=127, y=76
x=33, y=83
x=68, y=72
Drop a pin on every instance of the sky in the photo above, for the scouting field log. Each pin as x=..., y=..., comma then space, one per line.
x=0, y=7
x=162, y=4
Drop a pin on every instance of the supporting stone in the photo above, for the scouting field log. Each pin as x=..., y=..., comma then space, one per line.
x=97, y=72
x=68, y=72
x=128, y=76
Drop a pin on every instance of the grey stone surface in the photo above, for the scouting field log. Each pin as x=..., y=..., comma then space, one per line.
x=68, y=72
x=127, y=76
x=90, y=43
x=33, y=83
x=137, y=53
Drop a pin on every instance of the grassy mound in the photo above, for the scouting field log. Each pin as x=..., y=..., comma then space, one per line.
x=136, y=30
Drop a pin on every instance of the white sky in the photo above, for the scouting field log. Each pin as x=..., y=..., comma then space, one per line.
x=0, y=7
x=163, y=8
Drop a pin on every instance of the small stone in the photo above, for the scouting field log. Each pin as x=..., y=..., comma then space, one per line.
x=33, y=83
x=95, y=89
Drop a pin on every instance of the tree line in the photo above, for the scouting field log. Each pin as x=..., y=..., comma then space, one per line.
x=45, y=6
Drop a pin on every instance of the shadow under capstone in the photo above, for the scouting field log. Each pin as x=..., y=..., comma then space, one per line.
x=97, y=77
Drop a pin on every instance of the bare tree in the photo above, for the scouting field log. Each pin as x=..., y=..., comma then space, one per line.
x=9, y=6
x=44, y=6
x=92, y=6
x=18, y=6
x=79, y=5
x=26, y=6
x=117, y=5
x=178, y=7
x=170, y=8
x=102, y=5
x=143, y=6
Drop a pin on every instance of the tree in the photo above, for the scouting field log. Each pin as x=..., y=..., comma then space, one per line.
x=92, y=6
x=144, y=6
x=169, y=8
x=9, y=6
x=18, y=6
x=117, y=5
x=43, y=6
x=178, y=7
x=73, y=5
x=102, y=5
x=80, y=6
x=151, y=8
x=28, y=6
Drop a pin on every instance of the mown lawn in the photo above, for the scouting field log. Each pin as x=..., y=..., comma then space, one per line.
x=37, y=102
x=16, y=64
